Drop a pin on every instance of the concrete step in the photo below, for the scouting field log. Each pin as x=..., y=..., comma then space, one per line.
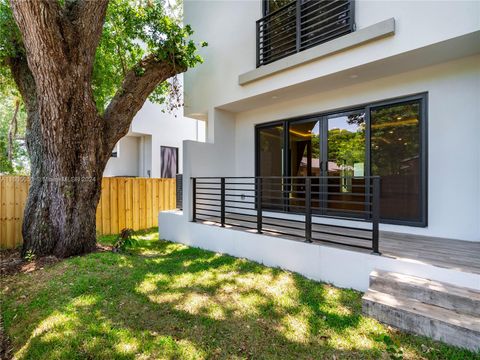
x=428, y=320
x=460, y=299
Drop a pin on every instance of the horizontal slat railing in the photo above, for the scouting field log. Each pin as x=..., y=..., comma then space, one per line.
x=300, y=25
x=294, y=207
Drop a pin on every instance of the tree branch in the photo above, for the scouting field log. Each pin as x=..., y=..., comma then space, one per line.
x=129, y=99
x=88, y=17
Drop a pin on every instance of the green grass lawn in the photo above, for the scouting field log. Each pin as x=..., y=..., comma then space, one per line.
x=166, y=300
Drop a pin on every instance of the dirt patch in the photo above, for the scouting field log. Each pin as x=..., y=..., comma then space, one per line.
x=11, y=262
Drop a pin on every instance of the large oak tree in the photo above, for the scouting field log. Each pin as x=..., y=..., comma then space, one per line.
x=83, y=69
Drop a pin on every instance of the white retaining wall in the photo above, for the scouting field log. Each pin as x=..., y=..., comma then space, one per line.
x=343, y=268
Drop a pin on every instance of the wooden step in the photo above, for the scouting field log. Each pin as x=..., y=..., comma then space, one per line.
x=428, y=320
x=460, y=299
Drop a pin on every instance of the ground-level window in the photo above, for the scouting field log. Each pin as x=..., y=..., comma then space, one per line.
x=169, y=161
x=386, y=139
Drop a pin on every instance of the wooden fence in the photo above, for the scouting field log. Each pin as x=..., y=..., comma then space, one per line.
x=125, y=203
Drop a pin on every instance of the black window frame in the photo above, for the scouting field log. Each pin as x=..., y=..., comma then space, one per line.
x=422, y=98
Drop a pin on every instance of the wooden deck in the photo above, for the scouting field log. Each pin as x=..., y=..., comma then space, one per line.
x=446, y=253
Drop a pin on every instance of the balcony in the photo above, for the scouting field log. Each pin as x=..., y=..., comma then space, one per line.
x=300, y=25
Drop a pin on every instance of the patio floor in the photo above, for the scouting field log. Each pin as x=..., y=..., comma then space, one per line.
x=446, y=253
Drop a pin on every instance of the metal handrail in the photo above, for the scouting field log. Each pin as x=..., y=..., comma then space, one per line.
x=314, y=204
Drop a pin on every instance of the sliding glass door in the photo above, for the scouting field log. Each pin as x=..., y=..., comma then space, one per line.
x=332, y=146
x=387, y=139
x=345, y=162
x=304, y=159
x=270, y=164
x=398, y=157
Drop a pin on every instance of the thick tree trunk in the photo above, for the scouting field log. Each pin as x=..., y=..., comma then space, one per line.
x=68, y=141
x=68, y=159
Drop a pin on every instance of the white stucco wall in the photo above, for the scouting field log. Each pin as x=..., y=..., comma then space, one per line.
x=126, y=164
x=453, y=146
x=341, y=267
x=229, y=29
x=151, y=129
x=399, y=65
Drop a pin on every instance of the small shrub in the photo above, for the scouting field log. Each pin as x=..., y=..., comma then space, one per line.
x=30, y=256
x=125, y=240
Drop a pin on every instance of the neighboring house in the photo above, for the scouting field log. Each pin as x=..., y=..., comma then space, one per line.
x=153, y=146
x=306, y=100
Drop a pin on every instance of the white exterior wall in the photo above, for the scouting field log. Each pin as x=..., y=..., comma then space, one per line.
x=229, y=29
x=341, y=267
x=151, y=128
x=453, y=146
x=126, y=163
x=453, y=138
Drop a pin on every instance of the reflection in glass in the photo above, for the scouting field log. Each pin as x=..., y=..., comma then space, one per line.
x=346, y=160
x=274, y=5
x=270, y=143
x=395, y=156
x=305, y=159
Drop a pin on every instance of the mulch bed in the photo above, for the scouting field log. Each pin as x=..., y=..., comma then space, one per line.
x=11, y=263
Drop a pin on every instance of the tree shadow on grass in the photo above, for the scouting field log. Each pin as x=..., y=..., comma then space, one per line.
x=185, y=303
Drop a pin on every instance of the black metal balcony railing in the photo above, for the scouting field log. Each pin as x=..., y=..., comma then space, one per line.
x=294, y=207
x=300, y=25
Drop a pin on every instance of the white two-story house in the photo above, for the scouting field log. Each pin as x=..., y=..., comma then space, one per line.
x=336, y=131
x=153, y=145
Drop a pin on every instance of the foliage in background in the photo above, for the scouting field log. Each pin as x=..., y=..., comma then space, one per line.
x=11, y=107
x=132, y=30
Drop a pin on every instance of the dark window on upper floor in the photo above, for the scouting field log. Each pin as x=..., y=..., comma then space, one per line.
x=290, y=26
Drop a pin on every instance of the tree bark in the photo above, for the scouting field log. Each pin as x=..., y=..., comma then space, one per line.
x=68, y=141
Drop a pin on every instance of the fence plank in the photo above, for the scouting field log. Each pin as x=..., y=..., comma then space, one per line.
x=113, y=206
x=155, y=201
x=106, y=206
x=121, y=203
x=129, y=203
x=3, y=212
x=136, y=205
x=124, y=202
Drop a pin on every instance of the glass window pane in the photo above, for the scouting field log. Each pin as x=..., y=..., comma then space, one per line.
x=395, y=156
x=304, y=155
x=271, y=149
x=304, y=139
x=346, y=161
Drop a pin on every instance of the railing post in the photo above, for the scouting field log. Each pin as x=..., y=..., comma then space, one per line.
x=258, y=44
x=298, y=13
x=375, y=214
x=258, y=198
x=194, y=199
x=222, y=201
x=308, y=209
